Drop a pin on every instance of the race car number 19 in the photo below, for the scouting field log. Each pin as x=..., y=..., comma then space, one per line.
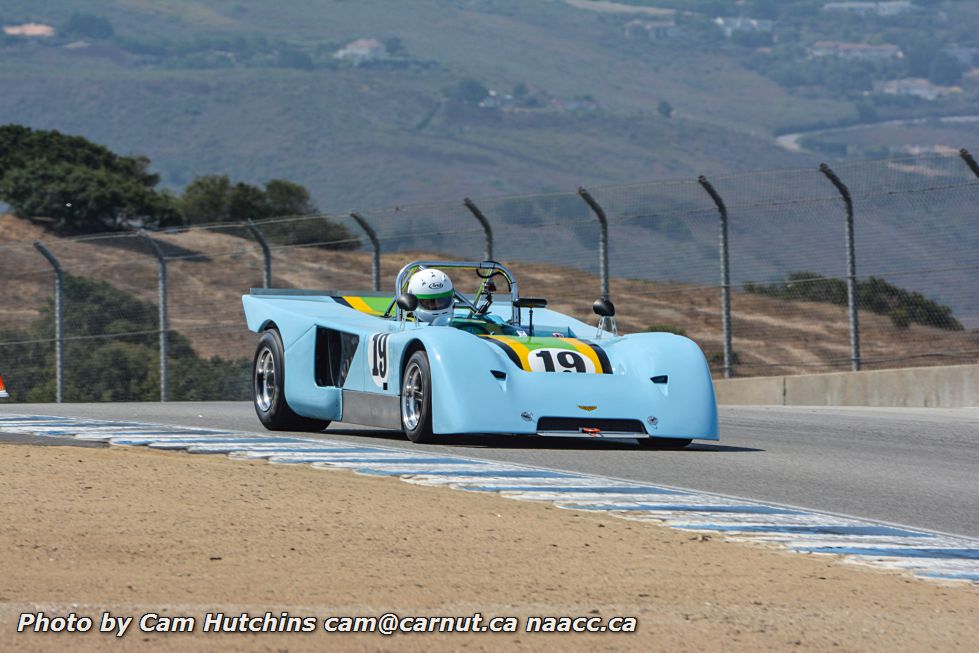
x=377, y=358
x=559, y=360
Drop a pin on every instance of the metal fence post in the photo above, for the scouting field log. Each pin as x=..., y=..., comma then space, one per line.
x=969, y=161
x=164, y=327
x=59, y=334
x=851, y=266
x=266, y=253
x=375, y=245
x=488, y=249
x=603, y=237
x=725, y=275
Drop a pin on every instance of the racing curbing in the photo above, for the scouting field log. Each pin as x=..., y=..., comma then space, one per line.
x=953, y=386
x=926, y=554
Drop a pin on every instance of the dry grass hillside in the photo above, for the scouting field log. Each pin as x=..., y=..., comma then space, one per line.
x=209, y=270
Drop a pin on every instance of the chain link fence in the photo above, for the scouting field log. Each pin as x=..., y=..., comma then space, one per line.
x=785, y=292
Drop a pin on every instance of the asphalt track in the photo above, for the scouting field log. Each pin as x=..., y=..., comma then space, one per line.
x=912, y=466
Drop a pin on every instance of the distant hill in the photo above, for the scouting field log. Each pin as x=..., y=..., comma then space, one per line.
x=583, y=92
x=253, y=90
x=580, y=96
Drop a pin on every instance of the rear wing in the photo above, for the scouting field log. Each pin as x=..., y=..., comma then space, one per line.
x=375, y=304
x=295, y=311
x=371, y=303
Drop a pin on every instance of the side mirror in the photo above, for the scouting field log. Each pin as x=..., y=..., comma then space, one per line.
x=407, y=302
x=603, y=307
x=530, y=302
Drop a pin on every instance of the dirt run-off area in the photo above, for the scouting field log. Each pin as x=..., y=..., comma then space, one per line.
x=134, y=531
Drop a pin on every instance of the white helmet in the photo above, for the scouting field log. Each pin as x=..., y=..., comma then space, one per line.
x=433, y=288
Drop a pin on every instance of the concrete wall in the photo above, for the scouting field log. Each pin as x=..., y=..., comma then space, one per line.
x=941, y=387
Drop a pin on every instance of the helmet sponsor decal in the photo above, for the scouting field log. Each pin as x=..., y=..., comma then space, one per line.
x=437, y=295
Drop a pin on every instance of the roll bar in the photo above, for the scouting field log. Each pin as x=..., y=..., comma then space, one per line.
x=401, y=284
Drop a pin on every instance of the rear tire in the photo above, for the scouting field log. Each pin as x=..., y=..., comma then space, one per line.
x=268, y=389
x=663, y=443
x=416, y=399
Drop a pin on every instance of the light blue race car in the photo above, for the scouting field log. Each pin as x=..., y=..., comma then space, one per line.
x=493, y=363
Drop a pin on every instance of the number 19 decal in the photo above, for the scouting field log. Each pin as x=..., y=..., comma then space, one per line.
x=377, y=358
x=560, y=360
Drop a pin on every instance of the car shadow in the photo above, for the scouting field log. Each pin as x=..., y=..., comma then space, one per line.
x=541, y=443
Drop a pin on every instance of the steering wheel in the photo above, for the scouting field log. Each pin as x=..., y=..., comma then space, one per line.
x=488, y=279
x=495, y=273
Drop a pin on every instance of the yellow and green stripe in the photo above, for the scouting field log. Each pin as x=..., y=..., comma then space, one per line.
x=369, y=305
x=519, y=349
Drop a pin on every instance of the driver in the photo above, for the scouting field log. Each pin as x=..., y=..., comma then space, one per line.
x=433, y=288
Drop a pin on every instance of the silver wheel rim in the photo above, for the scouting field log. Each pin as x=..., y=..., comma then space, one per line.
x=265, y=380
x=412, y=397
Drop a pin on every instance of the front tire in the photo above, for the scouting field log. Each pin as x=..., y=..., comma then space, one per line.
x=663, y=443
x=268, y=389
x=416, y=399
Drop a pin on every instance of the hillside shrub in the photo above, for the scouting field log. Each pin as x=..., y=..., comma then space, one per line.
x=117, y=357
x=874, y=295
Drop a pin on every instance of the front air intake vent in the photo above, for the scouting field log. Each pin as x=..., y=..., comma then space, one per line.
x=572, y=424
x=498, y=374
x=660, y=379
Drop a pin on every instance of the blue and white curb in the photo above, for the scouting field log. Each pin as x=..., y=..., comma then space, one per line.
x=923, y=553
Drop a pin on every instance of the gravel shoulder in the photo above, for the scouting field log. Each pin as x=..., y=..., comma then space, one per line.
x=135, y=531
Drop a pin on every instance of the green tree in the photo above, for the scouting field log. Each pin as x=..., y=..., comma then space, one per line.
x=74, y=199
x=945, y=70
x=213, y=198
x=523, y=96
x=86, y=25
x=288, y=198
x=292, y=58
x=247, y=202
x=72, y=185
x=206, y=199
x=394, y=45
x=919, y=52
x=468, y=90
x=20, y=145
x=119, y=358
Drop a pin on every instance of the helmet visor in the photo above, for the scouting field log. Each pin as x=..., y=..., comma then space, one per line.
x=435, y=302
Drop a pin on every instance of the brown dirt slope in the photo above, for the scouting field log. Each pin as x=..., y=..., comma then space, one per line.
x=209, y=270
